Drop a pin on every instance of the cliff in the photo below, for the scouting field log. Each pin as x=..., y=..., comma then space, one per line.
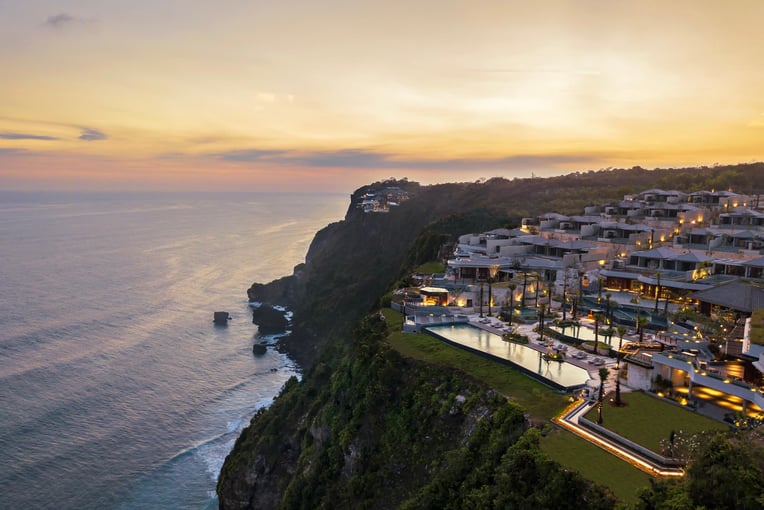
x=380, y=431
x=366, y=428
x=351, y=263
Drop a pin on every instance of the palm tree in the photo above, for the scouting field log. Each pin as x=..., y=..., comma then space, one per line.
x=490, y=297
x=641, y=323
x=481, y=300
x=512, y=286
x=658, y=291
x=603, y=377
x=607, y=306
x=542, y=309
x=564, y=291
x=621, y=331
x=597, y=320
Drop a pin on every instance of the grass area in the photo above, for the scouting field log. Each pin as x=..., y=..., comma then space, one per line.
x=757, y=326
x=431, y=268
x=595, y=464
x=542, y=402
x=646, y=420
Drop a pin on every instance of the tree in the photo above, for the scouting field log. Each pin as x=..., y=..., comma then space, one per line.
x=723, y=472
x=607, y=307
x=641, y=323
x=657, y=291
x=481, y=300
x=542, y=309
x=621, y=331
x=603, y=377
x=490, y=295
x=597, y=320
x=512, y=286
x=726, y=473
x=564, y=291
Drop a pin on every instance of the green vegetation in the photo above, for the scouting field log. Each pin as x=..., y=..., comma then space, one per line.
x=540, y=401
x=431, y=268
x=383, y=421
x=383, y=431
x=648, y=420
x=595, y=464
x=757, y=326
x=725, y=472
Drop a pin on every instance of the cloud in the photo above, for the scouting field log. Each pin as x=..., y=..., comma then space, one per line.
x=63, y=19
x=366, y=159
x=25, y=136
x=91, y=135
x=9, y=152
x=59, y=20
x=251, y=155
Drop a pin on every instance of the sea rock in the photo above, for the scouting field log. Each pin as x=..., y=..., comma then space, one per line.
x=221, y=317
x=269, y=320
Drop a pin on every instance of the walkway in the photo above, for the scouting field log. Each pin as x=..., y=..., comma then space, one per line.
x=569, y=421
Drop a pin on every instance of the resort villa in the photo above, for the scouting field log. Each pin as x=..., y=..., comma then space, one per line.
x=682, y=273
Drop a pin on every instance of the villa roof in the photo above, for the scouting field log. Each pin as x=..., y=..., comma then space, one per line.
x=554, y=216
x=673, y=284
x=742, y=211
x=576, y=244
x=729, y=262
x=741, y=295
x=702, y=231
x=542, y=263
x=433, y=290
x=640, y=227
x=619, y=274
x=759, y=262
x=584, y=219
x=515, y=232
x=693, y=257
x=657, y=253
x=745, y=234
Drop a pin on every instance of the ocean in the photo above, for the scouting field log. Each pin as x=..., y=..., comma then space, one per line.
x=116, y=388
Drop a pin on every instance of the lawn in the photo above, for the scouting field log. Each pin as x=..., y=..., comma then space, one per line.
x=542, y=402
x=431, y=268
x=595, y=464
x=646, y=420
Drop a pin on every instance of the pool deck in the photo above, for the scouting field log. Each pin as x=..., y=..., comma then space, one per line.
x=499, y=327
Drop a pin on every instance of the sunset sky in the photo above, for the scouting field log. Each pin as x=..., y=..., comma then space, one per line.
x=331, y=94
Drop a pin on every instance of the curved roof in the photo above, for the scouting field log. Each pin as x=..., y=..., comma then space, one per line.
x=740, y=295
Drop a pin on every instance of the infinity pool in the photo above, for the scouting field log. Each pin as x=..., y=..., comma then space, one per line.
x=558, y=374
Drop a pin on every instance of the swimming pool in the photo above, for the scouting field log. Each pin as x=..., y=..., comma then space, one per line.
x=561, y=375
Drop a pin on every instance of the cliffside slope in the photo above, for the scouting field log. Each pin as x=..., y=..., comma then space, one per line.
x=352, y=262
x=365, y=428
x=383, y=432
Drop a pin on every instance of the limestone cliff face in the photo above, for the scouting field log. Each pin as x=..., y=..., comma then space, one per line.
x=351, y=263
x=380, y=431
x=365, y=428
x=367, y=434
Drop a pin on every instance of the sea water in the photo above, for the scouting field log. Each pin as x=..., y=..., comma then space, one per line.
x=116, y=388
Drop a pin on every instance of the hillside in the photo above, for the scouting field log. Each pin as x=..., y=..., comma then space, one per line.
x=384, y=432
x=368, y=428
x=351, y=263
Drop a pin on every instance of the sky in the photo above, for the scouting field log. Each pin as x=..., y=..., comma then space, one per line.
x=328, y=95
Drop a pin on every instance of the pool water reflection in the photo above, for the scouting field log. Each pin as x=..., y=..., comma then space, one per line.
x=558, y=374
